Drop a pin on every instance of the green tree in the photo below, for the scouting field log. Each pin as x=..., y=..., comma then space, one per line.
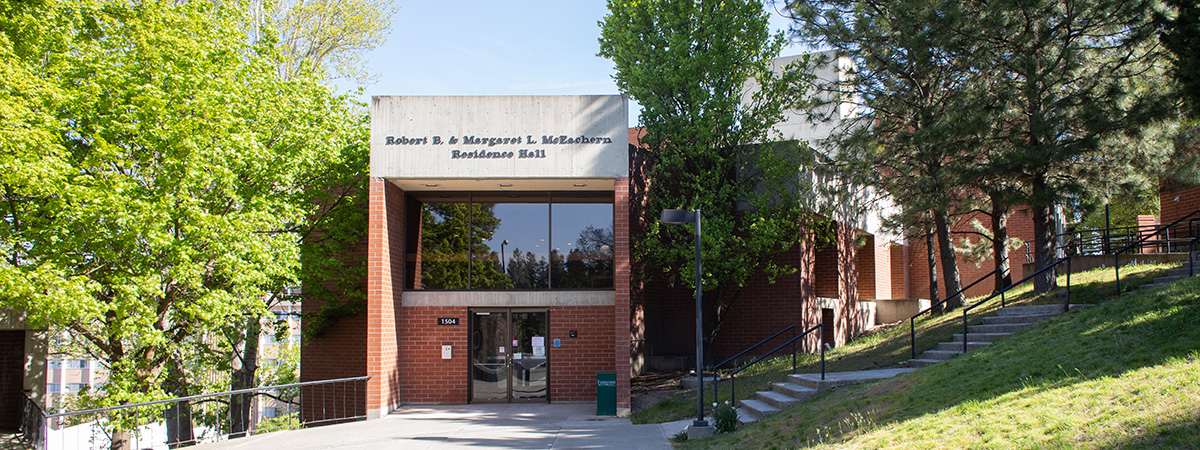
x=688, y=63
x=1061, y=78
x=452, y=243
x=1180, y=34
x=158, y=192
x=326, y=37
x=914, y=136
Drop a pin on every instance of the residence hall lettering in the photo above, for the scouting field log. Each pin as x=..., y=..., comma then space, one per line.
x=493, y=141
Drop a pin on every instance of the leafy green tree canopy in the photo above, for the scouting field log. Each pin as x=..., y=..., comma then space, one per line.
x=159, y=186
x=691, y=66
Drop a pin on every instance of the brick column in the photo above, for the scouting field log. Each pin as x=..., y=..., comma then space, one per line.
x=621, y=256
x=385, y=275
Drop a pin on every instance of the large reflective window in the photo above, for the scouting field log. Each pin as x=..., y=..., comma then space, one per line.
x=582, y=233
x=513, y=254
x=445, y=234
x=514, y=240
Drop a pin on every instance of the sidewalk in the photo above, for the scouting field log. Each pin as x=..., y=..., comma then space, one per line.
x=478, y=426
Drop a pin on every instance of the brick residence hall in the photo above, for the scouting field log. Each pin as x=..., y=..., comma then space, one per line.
x=498, y=261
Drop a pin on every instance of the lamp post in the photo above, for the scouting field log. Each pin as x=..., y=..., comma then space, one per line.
x=502, y=269
x=680, y=217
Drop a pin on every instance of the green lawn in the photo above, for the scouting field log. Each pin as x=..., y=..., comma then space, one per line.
x=891, y=348
x=1123, y=374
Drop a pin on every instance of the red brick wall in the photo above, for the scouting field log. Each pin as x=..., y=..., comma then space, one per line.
x=573, y=366
x=1175, y=203
x=899, y=272
x=1020, y=225
x=1176, y=200
x=867, y=273
x=875, y=269
x=424, y=377
x=340, y=353
x=385, y=285
x=623, y=322
x=762, y=309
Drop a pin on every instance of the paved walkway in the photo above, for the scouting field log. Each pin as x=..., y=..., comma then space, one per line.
x=480, y=426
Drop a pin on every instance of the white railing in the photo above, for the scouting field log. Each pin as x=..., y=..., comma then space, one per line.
x=183, y=421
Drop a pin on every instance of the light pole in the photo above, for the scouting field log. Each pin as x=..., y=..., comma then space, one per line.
x=502, y=244
x=679, y=216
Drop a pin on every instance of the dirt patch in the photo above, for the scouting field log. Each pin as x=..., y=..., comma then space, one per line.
x=648, y=389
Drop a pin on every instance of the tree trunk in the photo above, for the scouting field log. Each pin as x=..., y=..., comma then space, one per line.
x=178, y=416
x=1000, y=242
x=1043, y=238
x=930, y=245
x=949, y=262
x=120, y=440
x=243, y=378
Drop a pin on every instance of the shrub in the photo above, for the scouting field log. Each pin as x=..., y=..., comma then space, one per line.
x=724, y=417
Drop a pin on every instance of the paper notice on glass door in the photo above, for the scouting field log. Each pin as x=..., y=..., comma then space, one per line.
x=539, y=341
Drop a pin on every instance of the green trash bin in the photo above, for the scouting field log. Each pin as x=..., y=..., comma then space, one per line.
x=606, y=393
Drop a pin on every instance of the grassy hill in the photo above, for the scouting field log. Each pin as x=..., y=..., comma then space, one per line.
x=890, y=347
x=1123, y=374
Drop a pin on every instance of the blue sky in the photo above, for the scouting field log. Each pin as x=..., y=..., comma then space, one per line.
x=519, y=47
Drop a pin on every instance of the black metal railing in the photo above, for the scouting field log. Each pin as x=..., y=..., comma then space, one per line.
x=1142, y=242
x=751, y=348
x=198, y=419
x=33, y=421
x=1193, y=228
x=1066, y=305
x=912, y=330
x=791, y=342
x=1157, y=237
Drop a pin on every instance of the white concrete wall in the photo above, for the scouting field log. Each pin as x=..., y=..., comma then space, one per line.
x=520, y=137
x=895, y=310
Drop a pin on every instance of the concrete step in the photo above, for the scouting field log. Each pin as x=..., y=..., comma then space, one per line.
x=1029, y=310
x=971, y=346
x=1169, y=279
x=922, y=362
x=940, y=354
x=757, y=408
x=1181, y=272
x=777, y=399
x=744, y=416
x=981, y=337
x=837, y=379
x=1032, y=318
x=793, y=390
x=1146, y=287
x=997, y=328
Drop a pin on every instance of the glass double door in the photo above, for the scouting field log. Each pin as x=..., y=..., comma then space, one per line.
x=510, y=355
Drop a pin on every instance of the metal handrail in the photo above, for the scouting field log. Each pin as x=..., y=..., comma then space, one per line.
x=1066, y=306
x=752, y=347
x=792, y=342
x=33, y=422
x=1100, y=241
x=1117, y=254
x=912, y=333
x=206, y=396
x=35, y=426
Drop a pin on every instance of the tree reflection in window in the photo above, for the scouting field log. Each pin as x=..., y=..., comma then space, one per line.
x=449, y=232
x=462, y=242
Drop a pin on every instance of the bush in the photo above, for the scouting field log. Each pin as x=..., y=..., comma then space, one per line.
x=724, y=417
